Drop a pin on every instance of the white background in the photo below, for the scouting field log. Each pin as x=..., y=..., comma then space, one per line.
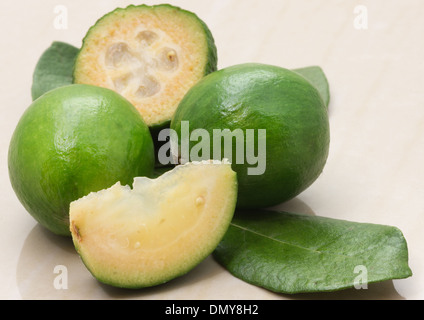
x=374, y=172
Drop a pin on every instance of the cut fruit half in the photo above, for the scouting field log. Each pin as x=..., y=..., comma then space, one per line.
x=152, y=55
x=157, y=231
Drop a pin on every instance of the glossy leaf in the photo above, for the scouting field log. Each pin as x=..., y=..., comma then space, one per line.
x=54, y=68
x=317, y=77
x=292, y=253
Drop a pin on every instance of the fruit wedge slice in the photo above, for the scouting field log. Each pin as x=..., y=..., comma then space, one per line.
x=157, y=231
x=151, y=55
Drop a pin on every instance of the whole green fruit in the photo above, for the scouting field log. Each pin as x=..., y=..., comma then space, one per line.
x=263, y=98
x=71, y=141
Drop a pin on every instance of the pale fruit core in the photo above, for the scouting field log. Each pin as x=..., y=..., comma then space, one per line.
x=137, y=67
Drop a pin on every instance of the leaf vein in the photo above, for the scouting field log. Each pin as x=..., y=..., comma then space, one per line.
x=288, y=243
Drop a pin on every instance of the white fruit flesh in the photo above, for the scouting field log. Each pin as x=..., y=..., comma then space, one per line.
x=158, y=230
x=137, y=66
x=150, y=56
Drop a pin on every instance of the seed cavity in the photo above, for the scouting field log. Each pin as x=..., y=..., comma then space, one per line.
x=149, y=86
x=118, y=54
x=137, y=70
x=147, y=37
x=122, y=82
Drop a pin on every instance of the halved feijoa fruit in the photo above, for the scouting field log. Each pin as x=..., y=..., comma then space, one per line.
x=157, y=231
x=151, y=55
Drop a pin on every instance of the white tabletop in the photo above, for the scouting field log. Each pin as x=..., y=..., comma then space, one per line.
x=375, y=170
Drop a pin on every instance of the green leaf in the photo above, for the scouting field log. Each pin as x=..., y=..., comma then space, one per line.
x=54, y=68
x=317, y=77
x=292, y=253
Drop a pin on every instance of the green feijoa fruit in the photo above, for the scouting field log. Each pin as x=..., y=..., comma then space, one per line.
x=71, y=141
x=152, y=55
x=270, y=122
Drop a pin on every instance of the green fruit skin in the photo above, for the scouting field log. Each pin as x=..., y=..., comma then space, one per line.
x=71, y=141
x=258, y=96
x=212, y=55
